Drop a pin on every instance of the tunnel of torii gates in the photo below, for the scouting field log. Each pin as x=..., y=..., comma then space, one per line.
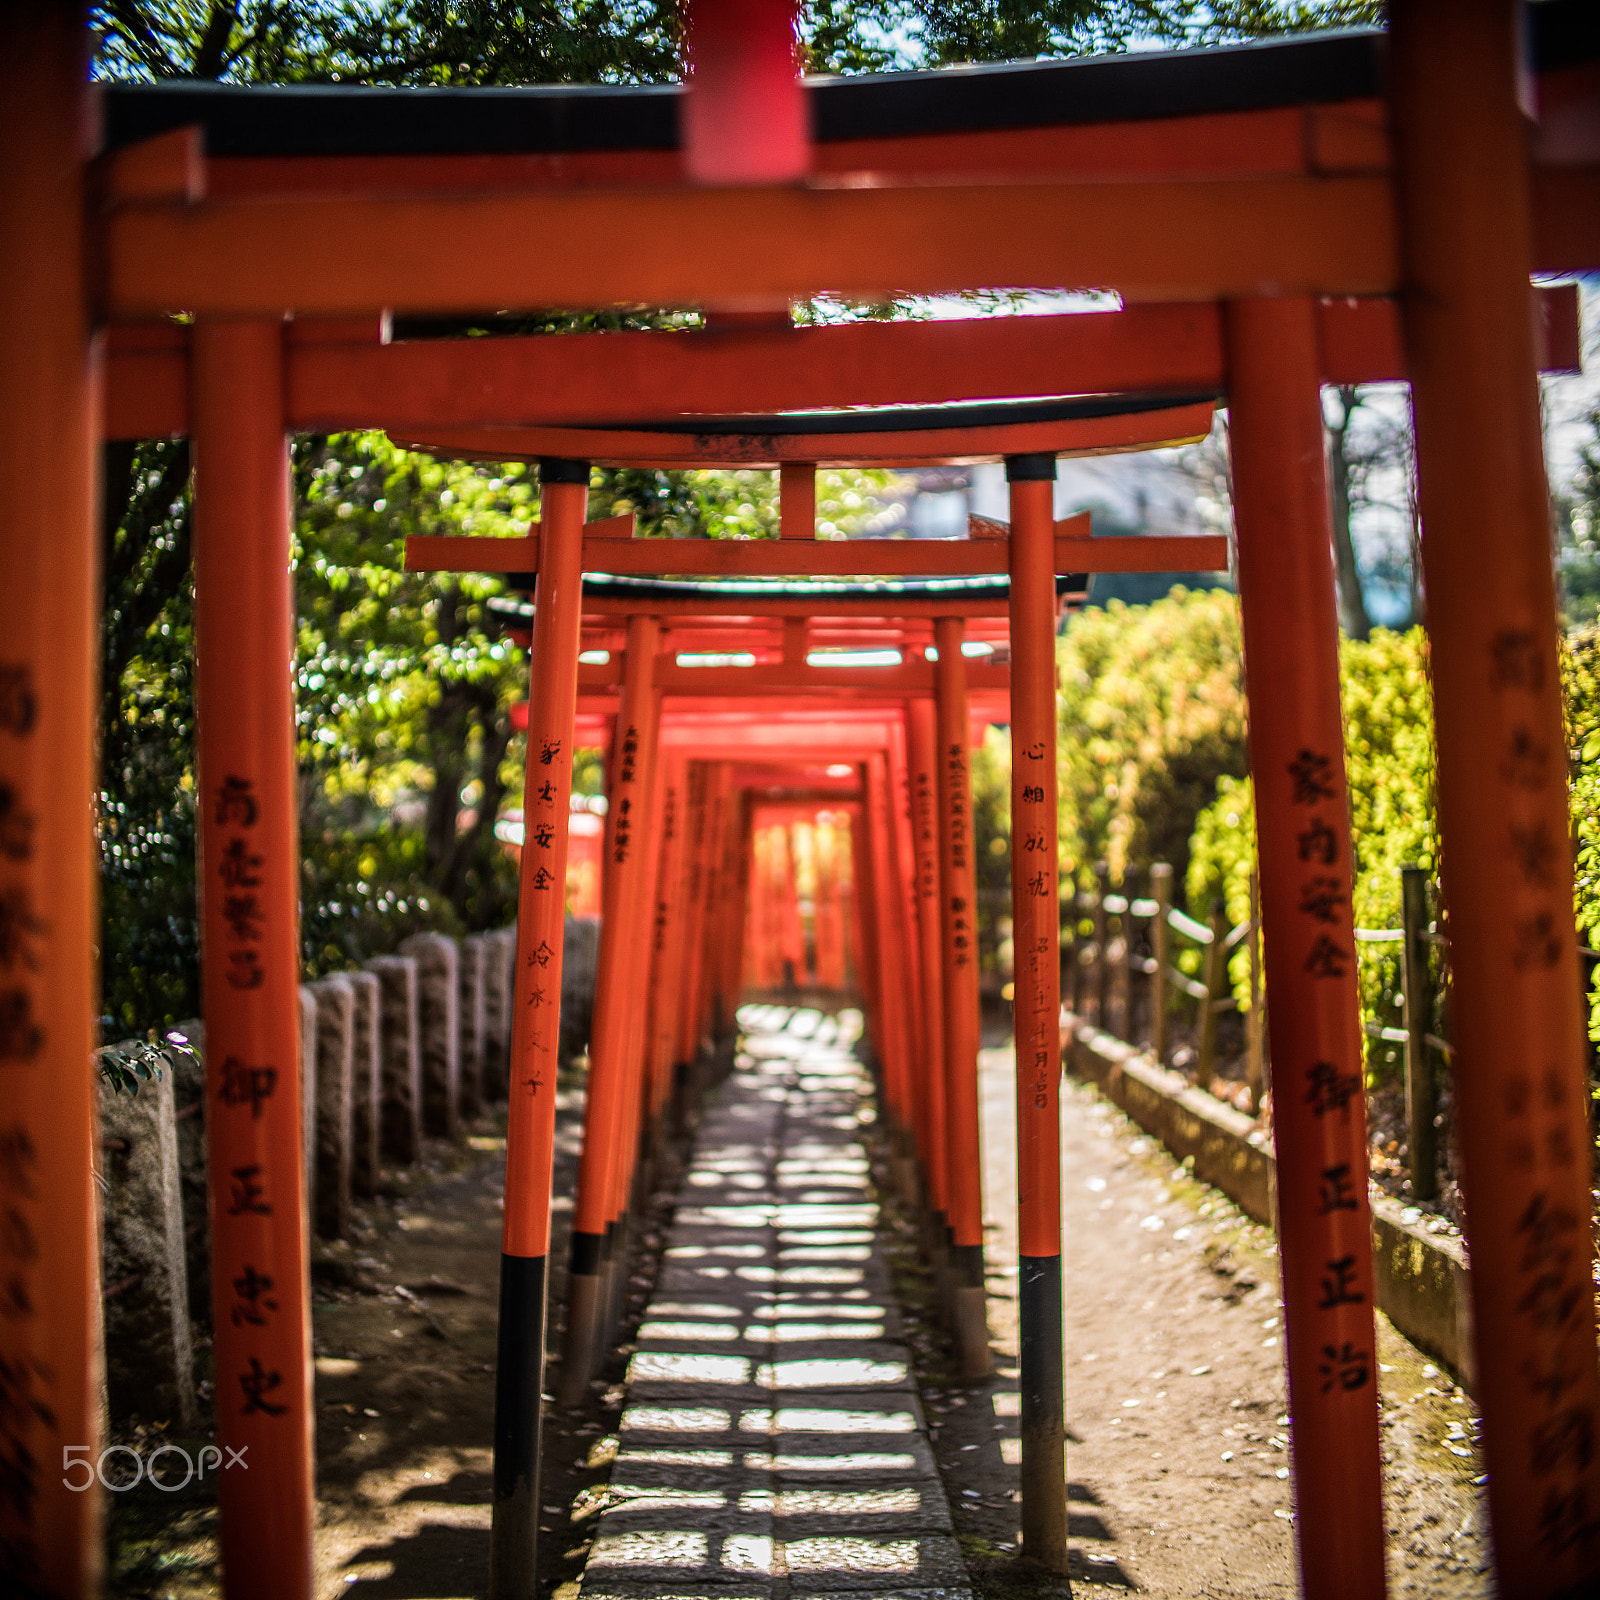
x=1349, y=208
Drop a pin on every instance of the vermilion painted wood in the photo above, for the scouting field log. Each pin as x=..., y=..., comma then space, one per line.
x=830, y=558
x=540, y=910
x=249, y=900
x=1516, y=990
x=743, y=113
x=665, y=940
x=351, y=254
x=1276, y=142
x=923, y=773
x=921, y=1065
x=914, y=677
x=891, y=448
x=958, y=938
x=50, y=1537
x=1036, y=935
x=629, y=1147
x=618, y=993
x=627, y=377
x=1291, y=657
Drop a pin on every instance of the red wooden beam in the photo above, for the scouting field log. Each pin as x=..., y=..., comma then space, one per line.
x=456, y=384
x=338, y=255
x=825, y=558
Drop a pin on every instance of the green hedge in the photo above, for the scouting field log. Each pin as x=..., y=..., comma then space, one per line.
x=1154, y=766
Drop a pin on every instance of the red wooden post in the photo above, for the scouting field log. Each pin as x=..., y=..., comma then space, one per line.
x=612, y=1069
x=881, y=892
x=918, y=1057
x=625, y=1164
x=700, y=989
x=1036, y=922
x=744, y=114
x=829, y=920
x=1291, y=655
x=687, y=1042
x=536, y=1032
x=663, y=892
x=733, y=937
x=1517, y=1022
x=791, y=938
x=50, y=1539
x=250, y=905
x=958, y=897
x=925, y=819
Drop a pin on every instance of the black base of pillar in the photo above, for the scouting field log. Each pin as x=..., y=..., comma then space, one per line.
x=1044, y=1434
x=518, y=1382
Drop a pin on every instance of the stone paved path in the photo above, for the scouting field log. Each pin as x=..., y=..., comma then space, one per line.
x=772, y=1441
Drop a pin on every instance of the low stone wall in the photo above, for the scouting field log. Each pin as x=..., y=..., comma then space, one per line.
x=1422, y=1279
x=414, y=1042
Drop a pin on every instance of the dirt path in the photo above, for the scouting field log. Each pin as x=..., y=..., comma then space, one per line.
x=1177, y=1430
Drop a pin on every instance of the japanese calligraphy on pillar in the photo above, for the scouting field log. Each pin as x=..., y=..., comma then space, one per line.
x=1033, y=865
x=1552, y=1251
x=622, y=821
x=24, y=1383
x=1325, y=953
x=963, y=918
x=669, y=832
x=545, y=807
x=926, y=820
x=245, y=1088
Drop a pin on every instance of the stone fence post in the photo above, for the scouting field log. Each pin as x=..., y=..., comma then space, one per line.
x=149, y=1345
x=364, y=1081
x=500, y=958
x=438, y=983
x=335, y=1013
x=308, y=1098
x=400, y=1056
x=472, y=955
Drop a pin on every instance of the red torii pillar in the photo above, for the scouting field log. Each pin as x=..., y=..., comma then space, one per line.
x=50, y=1539
x=247, y=793
x=536, y=1032
x=925, y=829
x=961, y=1030
x=1036, y=918
x=613, y=1068
x=666, y=937
x=1519, y=1071
x=829, y=920
x=1291, y=659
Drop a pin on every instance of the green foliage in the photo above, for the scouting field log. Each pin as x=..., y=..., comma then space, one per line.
x=123, y=1067
x=994, y=30
x=1222, y=855
x=742, y=502
x=1151, y=716
x=405, y=688
x=1578, y=534
x=991, y=840
x=1389, y=759
x=1581, y=684
x=149, y=951
x=1388, y=725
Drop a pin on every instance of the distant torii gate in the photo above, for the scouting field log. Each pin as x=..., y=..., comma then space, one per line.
x=1217, y=175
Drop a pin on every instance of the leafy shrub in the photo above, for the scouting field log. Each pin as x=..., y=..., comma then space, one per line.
x=1151, y=716
x=1389, y=758
x=1581, y=684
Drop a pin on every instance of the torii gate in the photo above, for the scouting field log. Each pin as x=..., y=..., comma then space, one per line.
x=1257, y=182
